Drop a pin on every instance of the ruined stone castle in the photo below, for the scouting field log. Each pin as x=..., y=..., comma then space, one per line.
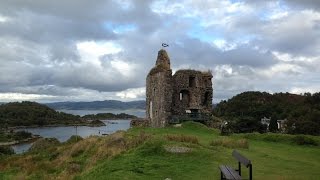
x=167, y=95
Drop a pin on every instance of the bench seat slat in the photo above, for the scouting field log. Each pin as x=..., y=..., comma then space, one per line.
x=229, y=172
x=241, y=158
x=233, y=172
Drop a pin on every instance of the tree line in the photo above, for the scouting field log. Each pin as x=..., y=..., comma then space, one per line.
x=244, y=112
x=31, y=113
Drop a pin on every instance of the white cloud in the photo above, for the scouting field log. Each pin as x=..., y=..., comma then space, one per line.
x=224, y=45
x=90, y=51
x=125, y=68
x=301, y=90
x=7, y=97
x=4, y=19
x=278, y=15
x=132, y=93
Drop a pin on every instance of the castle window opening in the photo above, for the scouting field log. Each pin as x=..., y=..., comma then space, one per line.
x=206, y=98
x=150, y=109
x=185, y=96
x=192, y=81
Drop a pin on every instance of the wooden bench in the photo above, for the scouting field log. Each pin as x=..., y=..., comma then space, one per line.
x=228, y=172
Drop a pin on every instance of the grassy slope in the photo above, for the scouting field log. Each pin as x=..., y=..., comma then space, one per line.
x=133, y=156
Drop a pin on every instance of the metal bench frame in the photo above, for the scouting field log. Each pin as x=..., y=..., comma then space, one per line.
x=229, y=173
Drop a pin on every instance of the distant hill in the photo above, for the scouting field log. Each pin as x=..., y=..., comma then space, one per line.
x=31, y=113
x=102, y=116
x=107, y=104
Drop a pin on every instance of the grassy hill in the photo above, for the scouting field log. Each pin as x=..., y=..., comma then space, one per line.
x=148, y=153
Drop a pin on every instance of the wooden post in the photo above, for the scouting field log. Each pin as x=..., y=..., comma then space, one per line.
x=239, y=168
x=76, y=133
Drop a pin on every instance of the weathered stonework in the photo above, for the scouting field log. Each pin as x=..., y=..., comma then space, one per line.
x=187, y=91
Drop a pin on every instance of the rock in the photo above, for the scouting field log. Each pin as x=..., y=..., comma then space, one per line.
x=139, y=123
x=177, y=149
x=74, y=168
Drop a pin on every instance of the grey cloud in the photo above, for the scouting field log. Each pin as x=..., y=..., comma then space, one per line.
x=311, y=4
x=40, y=54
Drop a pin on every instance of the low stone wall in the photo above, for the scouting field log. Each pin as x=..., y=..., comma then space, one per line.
x=140, y=122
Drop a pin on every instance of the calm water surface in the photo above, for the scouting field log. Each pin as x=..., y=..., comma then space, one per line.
x=137, y=112
x=64, y=133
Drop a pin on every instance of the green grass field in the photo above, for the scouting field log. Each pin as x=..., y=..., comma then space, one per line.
x=140, y=153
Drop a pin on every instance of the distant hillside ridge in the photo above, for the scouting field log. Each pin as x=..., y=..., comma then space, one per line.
x=31, y=113
x=107, y=104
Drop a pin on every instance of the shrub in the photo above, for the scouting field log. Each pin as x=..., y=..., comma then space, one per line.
x=20, y=135
x=304, y=140
x=283, y=138
x=44, y=143
x=6, y=150
x=183, y=138
x=152, y=147
x=74, y=139
x=136, y=141
x=231, y=143
x=194, y=125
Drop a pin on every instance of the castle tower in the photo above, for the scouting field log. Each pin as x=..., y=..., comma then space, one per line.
x=159, y=91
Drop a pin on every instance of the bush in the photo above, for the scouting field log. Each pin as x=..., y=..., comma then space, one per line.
x=20, y=135
x=283, y=138
x=44, y=143
x=304, y=140
x=194, y=125
x=74, y=139
x=6, y=150
x=152, y=147
x=231, y=143
x=136, y=141
x=183, y=138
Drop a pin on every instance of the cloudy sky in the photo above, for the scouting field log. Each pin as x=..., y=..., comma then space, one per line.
x=81, y=50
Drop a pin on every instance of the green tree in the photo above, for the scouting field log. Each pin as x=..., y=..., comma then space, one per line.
x=273, y=126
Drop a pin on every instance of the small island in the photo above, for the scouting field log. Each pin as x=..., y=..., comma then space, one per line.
x=108, y=116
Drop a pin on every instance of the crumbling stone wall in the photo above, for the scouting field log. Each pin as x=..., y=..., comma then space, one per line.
x=167, y=95
x=192, y=91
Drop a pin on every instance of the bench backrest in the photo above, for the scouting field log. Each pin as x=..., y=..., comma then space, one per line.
x=243, y=160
